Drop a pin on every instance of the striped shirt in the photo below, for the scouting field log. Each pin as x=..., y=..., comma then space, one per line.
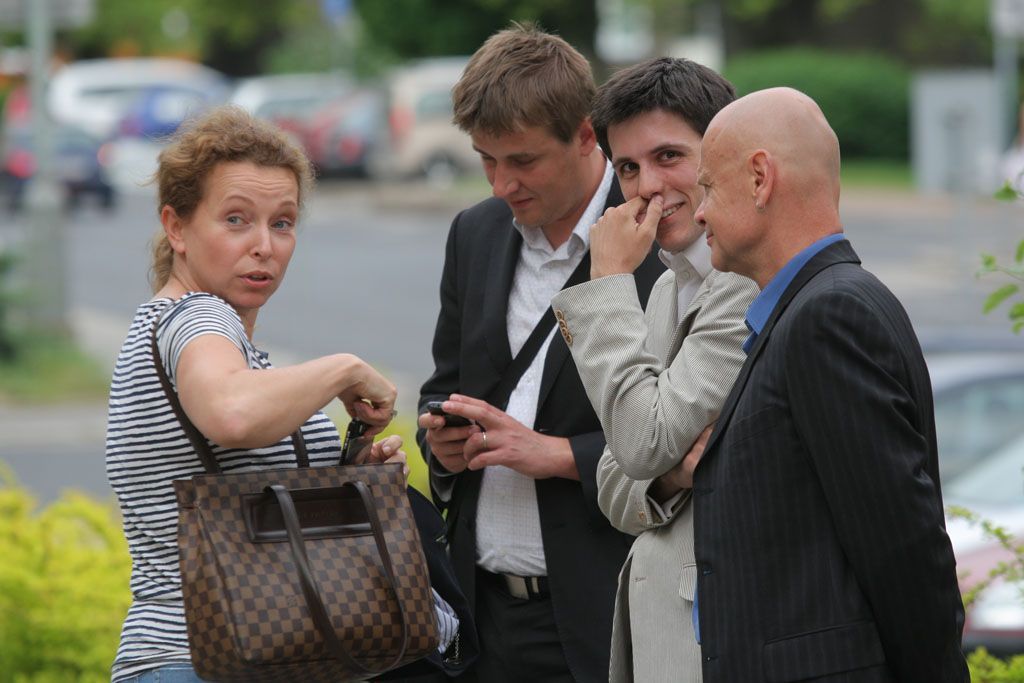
x=147, y=449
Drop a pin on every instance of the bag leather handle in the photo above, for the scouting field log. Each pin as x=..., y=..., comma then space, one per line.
x=311, y=589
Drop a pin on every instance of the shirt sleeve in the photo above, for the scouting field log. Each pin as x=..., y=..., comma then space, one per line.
x=191, y=317
x=447, y=622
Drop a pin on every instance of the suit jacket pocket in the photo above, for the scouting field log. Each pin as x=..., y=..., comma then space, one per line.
x=752, y=424
x=688, y=582
x=820, y=653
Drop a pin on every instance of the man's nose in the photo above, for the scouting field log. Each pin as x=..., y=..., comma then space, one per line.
x=503, y=183
x=698, y=215
x=649, y=183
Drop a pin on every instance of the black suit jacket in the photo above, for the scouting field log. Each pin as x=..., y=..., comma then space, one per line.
x=471, y=351
x=819, y=531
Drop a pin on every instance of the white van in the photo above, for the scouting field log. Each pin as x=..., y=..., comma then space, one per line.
x=95, y=94
x=421, y=139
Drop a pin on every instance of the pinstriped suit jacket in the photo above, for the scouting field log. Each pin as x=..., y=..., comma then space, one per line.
x=656, y=382
x=820, y=543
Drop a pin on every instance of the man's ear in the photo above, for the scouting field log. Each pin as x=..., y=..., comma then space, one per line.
x=587, y=137
x=762, y=177
x=173, y=226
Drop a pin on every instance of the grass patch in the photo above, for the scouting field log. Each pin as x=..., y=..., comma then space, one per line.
x=877, y=174
x=49, y=369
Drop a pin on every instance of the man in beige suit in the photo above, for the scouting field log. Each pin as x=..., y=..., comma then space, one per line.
x=657, y=379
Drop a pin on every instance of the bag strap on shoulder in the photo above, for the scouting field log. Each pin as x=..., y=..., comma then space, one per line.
x=195, y=437
x=500, y=395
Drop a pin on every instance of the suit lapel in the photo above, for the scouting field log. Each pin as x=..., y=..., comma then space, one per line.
x=558, y=352
x=840, y=252
x=683, y=327
x=501, y=268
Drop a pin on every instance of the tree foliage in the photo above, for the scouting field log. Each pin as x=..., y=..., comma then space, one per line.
x=226, y=34
x=423, y=28
x=920, y=31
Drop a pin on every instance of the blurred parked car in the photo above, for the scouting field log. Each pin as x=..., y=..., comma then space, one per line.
x=341, y=136
x=98, y=94
x=979, y=405
x=420, y=138
x=994, y=490
x=290, y=100
x=979, y=420
x=80, y=164
x=158, y=112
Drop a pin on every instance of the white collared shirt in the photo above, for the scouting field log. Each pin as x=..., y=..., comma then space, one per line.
x=508, y=537
x=691, y=266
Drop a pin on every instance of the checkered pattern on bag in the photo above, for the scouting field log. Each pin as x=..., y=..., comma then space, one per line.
x=246, y=613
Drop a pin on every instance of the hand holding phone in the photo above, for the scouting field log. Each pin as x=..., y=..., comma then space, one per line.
x=434, y=408
x=355, y=441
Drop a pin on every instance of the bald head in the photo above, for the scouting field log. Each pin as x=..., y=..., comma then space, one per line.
x=790, y=126
x=770, y=168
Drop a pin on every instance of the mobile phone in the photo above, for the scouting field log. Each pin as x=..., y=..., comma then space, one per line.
x=354, y=440
x=434, y=408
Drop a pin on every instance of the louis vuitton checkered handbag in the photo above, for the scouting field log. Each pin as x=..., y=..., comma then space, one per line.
x=304, y=574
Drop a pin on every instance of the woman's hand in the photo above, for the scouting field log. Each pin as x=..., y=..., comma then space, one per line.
x=370, y=397
x=386, y=450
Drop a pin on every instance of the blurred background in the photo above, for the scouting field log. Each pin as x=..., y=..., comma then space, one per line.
x=923, y=94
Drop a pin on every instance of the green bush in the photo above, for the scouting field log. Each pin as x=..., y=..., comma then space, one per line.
x=987, y=669
x=865, y=97
x=63, y=587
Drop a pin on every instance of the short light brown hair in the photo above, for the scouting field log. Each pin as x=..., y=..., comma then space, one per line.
x=224, y=134
x=521, y=77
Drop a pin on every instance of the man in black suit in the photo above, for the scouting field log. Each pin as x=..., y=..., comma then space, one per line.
x=530, y=546
x=819, y=533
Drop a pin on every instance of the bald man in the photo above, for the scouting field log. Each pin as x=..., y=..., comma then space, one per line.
x=819, y=536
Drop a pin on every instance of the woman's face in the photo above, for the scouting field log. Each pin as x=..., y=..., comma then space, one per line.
x=239, y=240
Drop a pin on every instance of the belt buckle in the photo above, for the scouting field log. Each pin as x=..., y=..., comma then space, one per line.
x=516, y=586
x=522, y=587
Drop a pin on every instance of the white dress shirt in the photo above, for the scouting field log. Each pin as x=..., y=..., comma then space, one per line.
x=508, y=537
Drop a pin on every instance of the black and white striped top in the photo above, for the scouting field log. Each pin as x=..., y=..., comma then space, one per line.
x=147, y=449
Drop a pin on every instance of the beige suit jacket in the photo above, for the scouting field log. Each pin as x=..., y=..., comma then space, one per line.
x=655, y=382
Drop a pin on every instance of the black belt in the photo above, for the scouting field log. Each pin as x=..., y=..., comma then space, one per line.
x=521, y=587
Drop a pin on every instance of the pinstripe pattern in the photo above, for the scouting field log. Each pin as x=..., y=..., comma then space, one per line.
x=818, y=517
x=656, y=382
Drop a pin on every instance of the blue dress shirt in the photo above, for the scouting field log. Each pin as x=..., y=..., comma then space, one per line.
x=761, y=308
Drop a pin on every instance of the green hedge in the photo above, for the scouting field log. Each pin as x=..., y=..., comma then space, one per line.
x=63, y=587
x=987, y=669
x=865, y=97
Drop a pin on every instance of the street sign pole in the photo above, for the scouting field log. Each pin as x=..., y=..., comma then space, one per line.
x=46, y=263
